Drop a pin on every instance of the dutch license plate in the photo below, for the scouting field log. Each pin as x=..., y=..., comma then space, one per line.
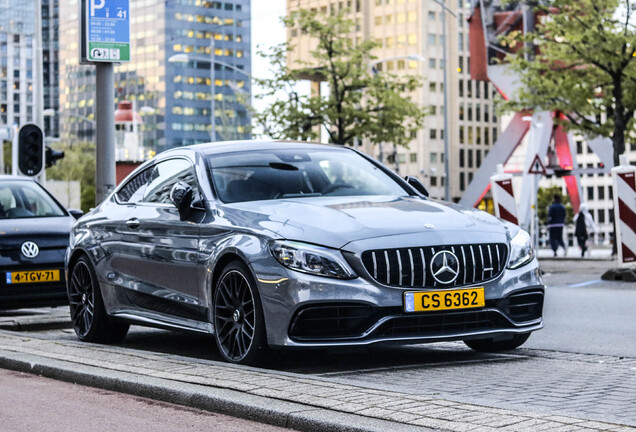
x=444, y=300
x=33, y=276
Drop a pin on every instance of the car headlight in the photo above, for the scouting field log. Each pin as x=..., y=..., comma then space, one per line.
x=521, y=250
x=312, y=259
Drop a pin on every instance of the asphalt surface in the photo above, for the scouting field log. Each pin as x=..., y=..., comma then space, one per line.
x=441, y=387
x=32, y=403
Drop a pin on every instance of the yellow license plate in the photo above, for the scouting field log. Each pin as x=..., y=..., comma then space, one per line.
x=34, y=276
x=444, y=300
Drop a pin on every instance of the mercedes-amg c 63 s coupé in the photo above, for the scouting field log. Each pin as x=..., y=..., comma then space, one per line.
x=292, y=244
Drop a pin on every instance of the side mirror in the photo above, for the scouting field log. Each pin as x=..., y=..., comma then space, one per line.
x=181, y=197
x=416, y=184
x=76, y=213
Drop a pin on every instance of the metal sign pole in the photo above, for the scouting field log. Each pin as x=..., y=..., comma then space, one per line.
x=105, y=129
x=105, y=40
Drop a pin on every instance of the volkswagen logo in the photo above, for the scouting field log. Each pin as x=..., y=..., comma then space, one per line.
x=445, y=267
x=29, y=249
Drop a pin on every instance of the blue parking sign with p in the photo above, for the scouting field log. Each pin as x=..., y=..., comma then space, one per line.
x=108, y=30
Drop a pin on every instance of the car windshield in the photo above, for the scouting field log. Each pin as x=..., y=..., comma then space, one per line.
x=293, y=173
x=26, y=199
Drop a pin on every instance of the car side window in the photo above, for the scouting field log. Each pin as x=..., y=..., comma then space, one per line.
x=165, y=175
x=133, y=191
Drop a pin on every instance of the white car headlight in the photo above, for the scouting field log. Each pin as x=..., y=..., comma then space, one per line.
x=312, y=259
x=521, y=250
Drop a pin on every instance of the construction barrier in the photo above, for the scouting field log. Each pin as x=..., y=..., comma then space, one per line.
x=503, y=196
x=624, y=178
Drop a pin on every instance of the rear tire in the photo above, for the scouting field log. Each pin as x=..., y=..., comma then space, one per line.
x=88, y=315
x=239, y=327
x=496, y=345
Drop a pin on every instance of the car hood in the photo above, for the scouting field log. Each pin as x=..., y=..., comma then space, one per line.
x=341, y=221
x=50, y=232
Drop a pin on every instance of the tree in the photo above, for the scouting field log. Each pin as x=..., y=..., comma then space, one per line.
x=360, y=104
x=78, y=164
x=581, y=64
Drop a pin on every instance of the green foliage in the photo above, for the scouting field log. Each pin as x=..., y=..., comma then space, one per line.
x=584, y=66
x=545, y=196
x=359, y=104
x=78, y=164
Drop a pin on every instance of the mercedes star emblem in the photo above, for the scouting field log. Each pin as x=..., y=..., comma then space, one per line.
x=29, y=249
x=445, y=267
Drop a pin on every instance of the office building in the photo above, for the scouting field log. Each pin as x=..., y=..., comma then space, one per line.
x=17, y=63
x=174, y=98
x=414, y=27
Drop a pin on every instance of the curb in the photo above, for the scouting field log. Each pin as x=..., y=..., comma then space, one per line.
x=230, y=402
x=36, y=324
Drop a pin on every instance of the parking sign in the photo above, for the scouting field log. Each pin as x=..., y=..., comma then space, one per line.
x=107, y=30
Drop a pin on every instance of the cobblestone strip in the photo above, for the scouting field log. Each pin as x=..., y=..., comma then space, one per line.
x=394, y=406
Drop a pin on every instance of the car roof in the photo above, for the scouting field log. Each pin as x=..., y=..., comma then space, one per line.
x=249, y=145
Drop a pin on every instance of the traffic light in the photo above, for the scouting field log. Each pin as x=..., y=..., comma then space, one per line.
x=51, y=156
x=30, y=150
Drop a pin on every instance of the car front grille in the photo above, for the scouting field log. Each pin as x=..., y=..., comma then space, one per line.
x=411, y=267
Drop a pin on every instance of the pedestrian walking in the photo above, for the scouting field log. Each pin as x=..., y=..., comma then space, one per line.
x=583, y=226
x=556, y=222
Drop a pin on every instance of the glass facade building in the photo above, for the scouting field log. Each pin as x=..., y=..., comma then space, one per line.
x=17, y=58
x=173, y=97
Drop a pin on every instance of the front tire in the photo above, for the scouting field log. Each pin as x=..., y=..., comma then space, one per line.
x=88, y=315
x=239, y=327
x=496, y=345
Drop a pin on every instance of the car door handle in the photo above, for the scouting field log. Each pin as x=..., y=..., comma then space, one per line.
x=132, y=223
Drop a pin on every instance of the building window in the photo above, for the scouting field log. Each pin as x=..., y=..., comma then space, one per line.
x=432, y=133
x=461, y=111
x=461, y=158
x=590, y=193
x=413, y=157
x=433, y=181
x=601, y=193
x=432, y=87
x=432, y=39
x=433, y=157
x=432, y=63
x=461, y=88
x=431, y=16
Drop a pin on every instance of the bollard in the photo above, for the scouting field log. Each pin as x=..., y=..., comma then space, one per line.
x=624, y=179
x=503, y=196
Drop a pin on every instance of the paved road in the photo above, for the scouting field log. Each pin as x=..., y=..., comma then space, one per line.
x=31, y=403
x=584, y=314
x=583, y=365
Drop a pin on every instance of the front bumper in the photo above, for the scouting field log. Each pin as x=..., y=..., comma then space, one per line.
x=304, y=310
x=22, y=295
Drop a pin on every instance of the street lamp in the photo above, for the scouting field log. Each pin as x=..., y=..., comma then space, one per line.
x=372, y=65
x=187, y=58
x=445, y=72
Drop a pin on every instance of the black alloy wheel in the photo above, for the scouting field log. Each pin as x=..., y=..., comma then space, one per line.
x=88, y=315
x=238, y=318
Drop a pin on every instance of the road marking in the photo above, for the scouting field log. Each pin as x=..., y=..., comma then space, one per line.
x=585, y=283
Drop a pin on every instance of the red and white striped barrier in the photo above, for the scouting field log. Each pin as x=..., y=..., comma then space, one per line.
x=624, y=178
x=503, y=196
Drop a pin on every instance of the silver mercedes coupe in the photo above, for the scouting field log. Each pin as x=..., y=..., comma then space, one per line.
x=267, y=245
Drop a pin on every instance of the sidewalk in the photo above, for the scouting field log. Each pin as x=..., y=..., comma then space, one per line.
x=279, y=398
